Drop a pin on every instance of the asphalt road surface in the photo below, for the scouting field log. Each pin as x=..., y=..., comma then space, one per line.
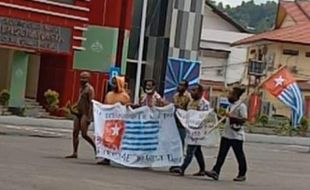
x=30, y=162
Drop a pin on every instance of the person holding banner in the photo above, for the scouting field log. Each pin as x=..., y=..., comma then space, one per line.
x=198, y=103
x=151, y=97
x=233, y=136
x=84, y=115
x=117, y=95
x=180, y=101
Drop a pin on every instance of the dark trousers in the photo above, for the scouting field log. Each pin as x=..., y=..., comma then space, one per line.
x=237, y=146
x=182, y=132
x=194, y=150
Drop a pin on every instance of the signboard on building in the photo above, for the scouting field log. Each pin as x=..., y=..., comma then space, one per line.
x=100, y=49
x=114, y=71
x=34, y=35
x=178, y=70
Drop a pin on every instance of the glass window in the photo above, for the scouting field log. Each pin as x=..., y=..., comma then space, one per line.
x=290, y=52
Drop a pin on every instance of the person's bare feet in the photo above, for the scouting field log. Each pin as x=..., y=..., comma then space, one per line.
x=72, y=156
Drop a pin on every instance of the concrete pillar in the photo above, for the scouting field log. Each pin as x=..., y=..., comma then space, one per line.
x=33, y=76
x=18, y=80
x=5, y=68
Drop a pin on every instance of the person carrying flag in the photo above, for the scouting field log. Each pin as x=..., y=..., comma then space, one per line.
x=233, y=136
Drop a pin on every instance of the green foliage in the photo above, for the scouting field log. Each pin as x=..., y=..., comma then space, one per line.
x=285, y=130
x=4, y=97
x=303, y=128
x=52, y=100
x=263, y=120
x=254, y=17
x=221, y=111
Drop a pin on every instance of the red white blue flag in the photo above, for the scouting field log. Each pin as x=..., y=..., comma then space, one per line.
x=283, y=86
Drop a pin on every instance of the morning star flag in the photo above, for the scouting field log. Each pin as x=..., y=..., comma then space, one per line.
x=199, y=127
x=143, y=137
x=283, y=86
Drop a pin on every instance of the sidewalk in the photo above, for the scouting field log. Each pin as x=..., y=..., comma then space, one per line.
x=35, y=122
x=67, y=124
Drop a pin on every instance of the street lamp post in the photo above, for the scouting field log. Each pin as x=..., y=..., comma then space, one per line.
x=140, y=57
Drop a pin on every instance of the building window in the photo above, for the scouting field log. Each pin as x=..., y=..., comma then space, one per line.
x=214, y=53
x=217, y=71
x=64, y=1
x=257, y=68
x=307, y=54
x=290, y=52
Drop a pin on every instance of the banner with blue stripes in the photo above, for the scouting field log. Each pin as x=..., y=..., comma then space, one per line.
x=143, y=137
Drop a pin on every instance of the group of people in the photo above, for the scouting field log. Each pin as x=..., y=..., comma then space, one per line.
x=233, y=134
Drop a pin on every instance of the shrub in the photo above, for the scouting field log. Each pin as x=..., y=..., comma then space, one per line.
x=52, y=100
x=263, y=120
x=285, y=129
x=4, y=97
x=304, y=125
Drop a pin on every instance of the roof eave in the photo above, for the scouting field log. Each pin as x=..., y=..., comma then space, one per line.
x=259, y=42
x=227, y=18
x=251, y=43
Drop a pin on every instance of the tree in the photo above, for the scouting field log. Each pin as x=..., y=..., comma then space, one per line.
x=220, y=6
x=250, y=15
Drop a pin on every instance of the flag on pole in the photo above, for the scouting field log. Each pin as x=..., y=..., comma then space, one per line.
x=283, y=86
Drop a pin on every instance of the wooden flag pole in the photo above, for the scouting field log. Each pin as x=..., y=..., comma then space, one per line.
x=258, y=87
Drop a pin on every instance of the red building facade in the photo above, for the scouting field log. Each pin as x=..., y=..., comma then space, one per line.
x=63, y=23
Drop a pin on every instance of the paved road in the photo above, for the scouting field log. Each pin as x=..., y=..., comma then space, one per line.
x=28, y=163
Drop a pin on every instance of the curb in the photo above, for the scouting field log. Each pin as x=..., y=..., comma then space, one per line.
x=273, y=139
x=251, y=138
x=35, y=122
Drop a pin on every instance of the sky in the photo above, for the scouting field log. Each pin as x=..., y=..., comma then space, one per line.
x=238, y=2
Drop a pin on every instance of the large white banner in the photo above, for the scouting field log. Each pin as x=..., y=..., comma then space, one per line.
x=143, y=137
x=198, y=125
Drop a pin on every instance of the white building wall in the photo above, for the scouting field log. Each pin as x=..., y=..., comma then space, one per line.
x=213, y=21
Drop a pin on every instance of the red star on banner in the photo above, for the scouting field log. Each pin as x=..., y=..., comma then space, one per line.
x=113, y=133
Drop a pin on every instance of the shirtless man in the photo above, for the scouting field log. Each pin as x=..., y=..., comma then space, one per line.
x=84, y=114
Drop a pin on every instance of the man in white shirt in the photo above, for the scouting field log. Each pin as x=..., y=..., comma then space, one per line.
x=233, y=136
